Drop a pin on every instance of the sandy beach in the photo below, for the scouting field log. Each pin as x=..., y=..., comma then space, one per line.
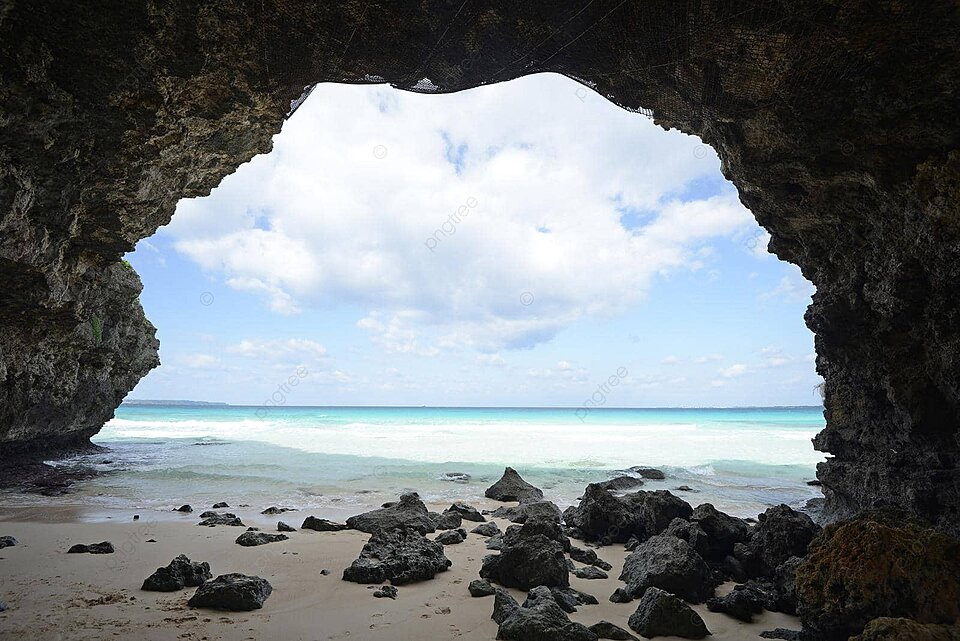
x=55, y=596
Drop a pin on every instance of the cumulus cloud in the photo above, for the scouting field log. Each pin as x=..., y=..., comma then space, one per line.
x=272, y=349
x=734, y=371
x=484, y=220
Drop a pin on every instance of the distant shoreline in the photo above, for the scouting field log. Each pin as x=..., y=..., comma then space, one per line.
x=185, y=403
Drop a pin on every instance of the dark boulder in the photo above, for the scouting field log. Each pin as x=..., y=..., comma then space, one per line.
x=660, y=613
x=236, y=592
x=446, y=520
x=220, y=505
x=180, y=573
x=322, y=525
x=466, y=512
x=530, y=555
x=621, y=483
x=785, y=584
x=495, y=542
x=539, y=619
x=890, y=629
x=723, y=531
x=744, y=601
x=781, y=533
x=283, y=527
x=692, y=533
x=104, y=547
x=503, y=605
x=186, y=509
x=589, y=572
x=409, y=512
x=399, y=556
x=601, y=516
x=511, y=487
x=546, y=510
x=651, y=473
x=620, y=596
x=7, y=542
x=386, y=592
x=451, y=537
x=277, y=510
x=569, y=598
x=486, y=529
x=481, y=587
x=589, y=557
x=252, y=539
x=607, y=630
x=668, y=563
x=213, y=519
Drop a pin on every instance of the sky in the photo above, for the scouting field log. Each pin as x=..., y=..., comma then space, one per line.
x=512, y=245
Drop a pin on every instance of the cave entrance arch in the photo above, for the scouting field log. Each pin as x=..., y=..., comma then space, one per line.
x=834, y=120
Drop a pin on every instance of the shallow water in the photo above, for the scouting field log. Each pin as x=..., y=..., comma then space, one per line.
x=742, y=460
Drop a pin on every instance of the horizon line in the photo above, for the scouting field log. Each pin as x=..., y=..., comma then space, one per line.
x=468, y=407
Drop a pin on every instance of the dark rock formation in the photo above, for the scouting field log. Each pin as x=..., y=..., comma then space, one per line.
x=236, y=592
x=782, y=533
x=495, y=542
x=451, y=537
x=723, y=531
x=283, y=527
x=481, y=587
x=538, y=619
x=186, y=509
x=889, y=629
x=466, y=512
x=322, y=525
x=219, y=506
x=648, y=473
x=445, y=521
x=589, y=557
x=692, y=533
x=836, y=122
x=7, y=541
x=568, y=598
x=386, y=592
x=277, y=510
x=668, y=563
x=743, y=602
x=486, y=529
x=621, y=483
x=213, y=519
x=105, y=547
x=607, y=630
x=409, y=512
x=180, y=573
x=660, y=613
x=589, y=572
x=511, y=487
x=253, y=539
x=880, y=565
x=531, y=554
x=547, y=510
x=399, y=556
x=601, y=516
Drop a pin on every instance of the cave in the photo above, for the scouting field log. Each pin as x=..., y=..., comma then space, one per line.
x=835, y=120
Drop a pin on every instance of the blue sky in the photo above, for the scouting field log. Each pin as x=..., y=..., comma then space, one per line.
x=511, y=245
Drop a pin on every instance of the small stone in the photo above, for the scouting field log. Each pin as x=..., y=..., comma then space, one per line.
x=620, y=596
x=386, y=592
x=607, y=630
x=186, y=509
x=451, y=537
x=324, y=571
x=283, y=527
x=322, y=525
x=589, y=572
x=481, y=587
x=7, y=542
x=220, y=505
x=251, y=539
x=486, y=529
x=104, y=547
x=136, y=517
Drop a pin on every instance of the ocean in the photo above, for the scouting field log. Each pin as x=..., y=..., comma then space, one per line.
x=342, y=460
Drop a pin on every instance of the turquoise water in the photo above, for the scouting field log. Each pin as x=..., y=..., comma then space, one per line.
x=349, y=458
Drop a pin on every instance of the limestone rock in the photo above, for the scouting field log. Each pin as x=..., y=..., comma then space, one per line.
x=660, y=613
x=409, y=512
x=180, y=573
x=511, y=487
x=236, y=592
x=668, y=563
x=399, y=556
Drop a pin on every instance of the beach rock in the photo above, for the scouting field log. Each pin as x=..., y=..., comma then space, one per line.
x=451, y=537
x=882, y=564
x=588, y=557
x=569, y=598
x=3, y=606
x=607, y=630
x=601, y=516
x=283, y=527
x=253, y=529
x=723, y=531
x=399, y=556
x=220, y=505
x=445, y=521
x=466, y=512
x=409, y=512
x=780, y=534
x=783, y=633
x=511, y=487
x=104, y=547
x=481, y=587
x=325, y=572
x=649, y=473
x=890, y=629
x=537, y=509
x=531, y=555
x=631, y=544
x=386, y=592
x=692, y=533
x=538, y=619
x=322, y=525
x=7, y=542
x=668, y=563
x=235, y=592
x=660, y=613
x=456, y=477
x=486, y=529
x=186, y=509
x=785, y=585
x=180, y=573
x=252, y=539
x=277, y=510
x=621, y=483
x=213, y=519
x=743, y=602
x=620, y=596
x=589, y=572
x=684, y=488
x=495, y=542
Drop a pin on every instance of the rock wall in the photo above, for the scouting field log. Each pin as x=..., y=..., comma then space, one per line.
x=836, y=120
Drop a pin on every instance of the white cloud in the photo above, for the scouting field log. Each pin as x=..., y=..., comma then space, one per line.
x=492, y=360
x=670, y=360
x=792, y=288
x=274, y=349
x=200, y=361
x=528, y=210
x=734, y=371
x=707, y=358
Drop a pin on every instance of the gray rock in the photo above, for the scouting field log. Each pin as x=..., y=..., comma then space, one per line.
x=277, y=510
x=504, y=605
x=409, y=512
x=692, y=533
x=780, y=534
x=104, y=547
x=620, y=596
x=537, y=509
x=283, y=527
x=451, y=537
x=7, y=541
x=649, y=473
x=531, y=554
x=783, y=633
x=589, y=557
x=481, y=587
x=386, y=592
x=668, y=563
x=723, y=531
x=252, y=539
x=180, y=573
x=186, y=509
x=322, y=525
x=236, y=592
x=621, y=483
x=495, y=542
x=660, y=613
x=466, y=512
x=511, y=487
x=3, y=606
x=213, y=519
x=538, y=619
x=220, y=506
x=446, y=520
x=589, y=572
x=486, y=529
x=607, y=630
x=399, y=556
x=569, y=598
x=744, y=601
x=601, y=516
